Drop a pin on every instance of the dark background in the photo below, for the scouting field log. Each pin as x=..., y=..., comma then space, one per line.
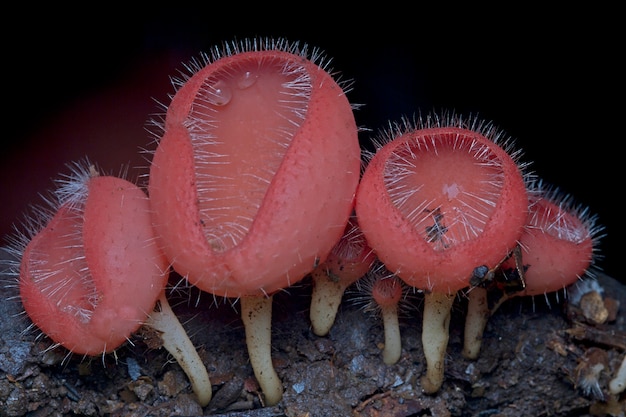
x=84, y=83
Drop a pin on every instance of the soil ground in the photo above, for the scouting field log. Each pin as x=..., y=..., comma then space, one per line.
x=537, y=359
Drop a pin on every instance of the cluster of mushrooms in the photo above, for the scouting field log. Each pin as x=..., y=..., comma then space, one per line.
x=258, y=180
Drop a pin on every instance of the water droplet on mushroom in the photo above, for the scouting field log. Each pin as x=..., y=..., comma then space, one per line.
x=247, y=80
x=219, y=93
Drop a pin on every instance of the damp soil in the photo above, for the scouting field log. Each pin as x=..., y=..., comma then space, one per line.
x=537, y=359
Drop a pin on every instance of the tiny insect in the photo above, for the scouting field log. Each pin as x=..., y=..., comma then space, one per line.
x=510, y=280
x=437, y=231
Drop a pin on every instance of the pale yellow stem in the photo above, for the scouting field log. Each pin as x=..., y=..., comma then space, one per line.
x=393, y=343
x=176, y=341
x=478, y=314
x=618, y=383
x=435, y=335
x=325, y=300
x=256, y=313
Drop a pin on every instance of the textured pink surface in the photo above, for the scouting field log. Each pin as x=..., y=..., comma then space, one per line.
x=484, y=236
x=89, y=278
x=299, y=208
x=557, y=247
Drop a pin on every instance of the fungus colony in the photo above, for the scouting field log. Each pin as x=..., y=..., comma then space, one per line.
x=258, y=180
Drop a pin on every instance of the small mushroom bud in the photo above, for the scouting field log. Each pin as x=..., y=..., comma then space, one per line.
x=388, y=293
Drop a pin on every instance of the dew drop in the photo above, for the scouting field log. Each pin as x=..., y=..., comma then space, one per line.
x=247, y=80
x=219, y=93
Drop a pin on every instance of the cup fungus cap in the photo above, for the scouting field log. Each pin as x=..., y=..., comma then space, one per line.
x=90, y=277
x=437, y=200
x=350, y=259
x=387, y=291
x=253, y=179
x=559, y=244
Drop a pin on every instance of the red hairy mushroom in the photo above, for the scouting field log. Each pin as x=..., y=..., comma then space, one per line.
x=386, y=294
x=91, y=273
x=439, y=197
x=253, y=179
x=559, y=244
x=558, y=247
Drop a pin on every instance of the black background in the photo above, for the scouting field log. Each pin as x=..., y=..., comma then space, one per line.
x=550, y=79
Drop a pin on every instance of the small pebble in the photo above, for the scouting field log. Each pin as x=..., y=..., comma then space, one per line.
x=593, y=308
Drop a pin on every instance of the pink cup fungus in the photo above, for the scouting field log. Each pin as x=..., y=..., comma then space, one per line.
x=253, y=179
x=558, y=248
x=559, y=245
x=387, y=293
x=350, y=259
x=437, y=199
x=91, y=275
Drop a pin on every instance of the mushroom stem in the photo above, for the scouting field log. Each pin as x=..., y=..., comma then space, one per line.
x=349, y=260
x=618, y=383
x=256, y=313
x=478, y=314
x=178, y=344
x=325, y=301
x=435, y=335
x=393, y=343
